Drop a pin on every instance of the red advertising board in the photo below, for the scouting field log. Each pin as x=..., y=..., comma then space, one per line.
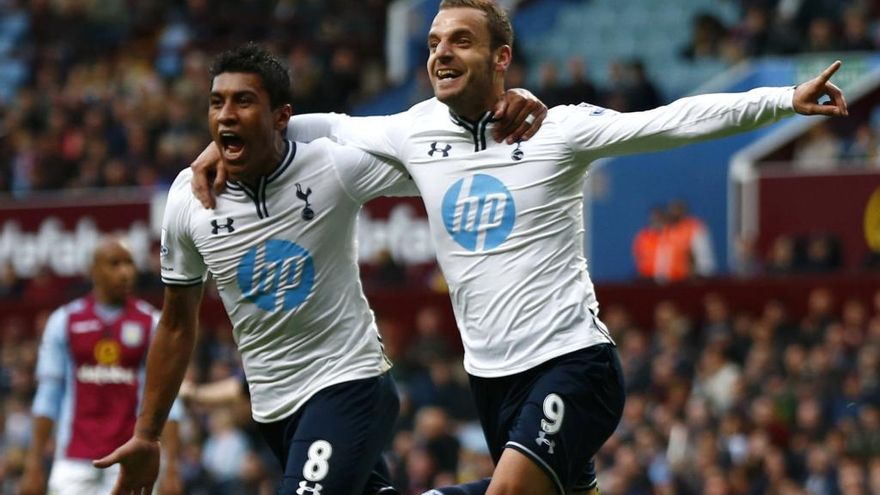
x=838, y=204
x=60, y=233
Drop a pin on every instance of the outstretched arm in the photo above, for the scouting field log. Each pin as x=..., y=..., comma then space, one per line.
x=600, y=132
x=166, y=364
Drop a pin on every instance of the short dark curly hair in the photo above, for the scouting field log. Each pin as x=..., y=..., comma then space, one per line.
x=252, y=58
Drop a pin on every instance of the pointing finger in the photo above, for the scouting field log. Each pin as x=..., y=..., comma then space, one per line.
x=827, y=73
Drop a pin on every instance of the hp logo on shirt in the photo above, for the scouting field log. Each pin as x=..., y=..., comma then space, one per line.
x=276, y=274
x=478, y=212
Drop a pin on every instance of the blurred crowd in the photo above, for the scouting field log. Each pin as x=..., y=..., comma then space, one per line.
x=115, y=93
x=785, y=27
x=726, y=402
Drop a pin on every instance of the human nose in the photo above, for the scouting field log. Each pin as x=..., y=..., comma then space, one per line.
x=442, y=50
x=226, y=113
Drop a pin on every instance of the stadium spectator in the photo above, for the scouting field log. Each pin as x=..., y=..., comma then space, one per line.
x=707, y=33
x=818, y=150
x=90, y=367
x=646, y=244
x=550, y=88
x=683, y=248
x=821, y=254
x=429, y=342
x=579, y=87
x=225, y=449
x=821, y=36
x=856, y=34
x=11, y=287
x=640, y=92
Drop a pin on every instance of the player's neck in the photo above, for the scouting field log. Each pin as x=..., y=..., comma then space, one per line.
x=267, y=165
x=109, y=300
x=474, y=111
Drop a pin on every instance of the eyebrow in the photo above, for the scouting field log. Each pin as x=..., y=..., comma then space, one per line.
x=456, y=32
x=236, y=93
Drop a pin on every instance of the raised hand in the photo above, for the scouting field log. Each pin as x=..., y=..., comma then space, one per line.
x=806, y=95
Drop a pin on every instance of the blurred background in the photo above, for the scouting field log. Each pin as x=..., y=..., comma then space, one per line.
x=740, y=277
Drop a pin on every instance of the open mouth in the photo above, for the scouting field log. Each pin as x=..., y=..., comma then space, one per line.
x=447, y=74
x=231, y=143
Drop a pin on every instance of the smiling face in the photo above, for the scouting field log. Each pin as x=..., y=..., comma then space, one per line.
x=244, y=126
x=465, y=72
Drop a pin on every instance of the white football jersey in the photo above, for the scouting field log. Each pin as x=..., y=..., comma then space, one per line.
x=507, y=219
x=284, y=257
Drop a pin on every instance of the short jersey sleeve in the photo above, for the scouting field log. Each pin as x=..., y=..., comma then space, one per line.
x=365, y=176
x=54, y=355
x=181, y=262
x=52, y=365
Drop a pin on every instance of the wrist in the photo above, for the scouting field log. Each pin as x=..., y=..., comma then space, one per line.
x=146, y=433
x=788, y=99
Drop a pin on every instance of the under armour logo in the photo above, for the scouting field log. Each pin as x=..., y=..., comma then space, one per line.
x=215, y=227
x=517, y=153
x=435, y=149
x=307, y=213
x=305, y=488
x=543, y=440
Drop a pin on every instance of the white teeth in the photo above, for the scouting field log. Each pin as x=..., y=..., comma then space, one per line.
x=445, y=73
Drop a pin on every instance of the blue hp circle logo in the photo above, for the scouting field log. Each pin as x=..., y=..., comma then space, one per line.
x=478, y=212
x=276, y=273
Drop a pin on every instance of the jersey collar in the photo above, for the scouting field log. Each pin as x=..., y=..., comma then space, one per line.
x=283, y=164
x=258, y=195
x=477, y=129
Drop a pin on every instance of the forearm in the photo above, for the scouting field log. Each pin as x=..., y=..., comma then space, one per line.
x=39, y=440
x=693, y=119
x=167, y=361
x=226, y=391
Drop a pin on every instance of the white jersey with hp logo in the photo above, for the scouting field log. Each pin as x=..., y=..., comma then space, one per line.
x=507, y=219
x=284, y=258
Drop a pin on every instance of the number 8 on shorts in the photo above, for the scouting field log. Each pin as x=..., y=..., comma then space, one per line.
x=316, y=466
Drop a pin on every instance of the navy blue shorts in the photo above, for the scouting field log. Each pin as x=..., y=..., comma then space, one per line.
x=333, y=444
x=558, y=414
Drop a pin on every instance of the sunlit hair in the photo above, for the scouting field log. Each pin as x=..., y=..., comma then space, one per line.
x=500, y=30
x=252, y=58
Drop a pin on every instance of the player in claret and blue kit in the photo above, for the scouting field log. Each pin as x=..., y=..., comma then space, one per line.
x=91, y=378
